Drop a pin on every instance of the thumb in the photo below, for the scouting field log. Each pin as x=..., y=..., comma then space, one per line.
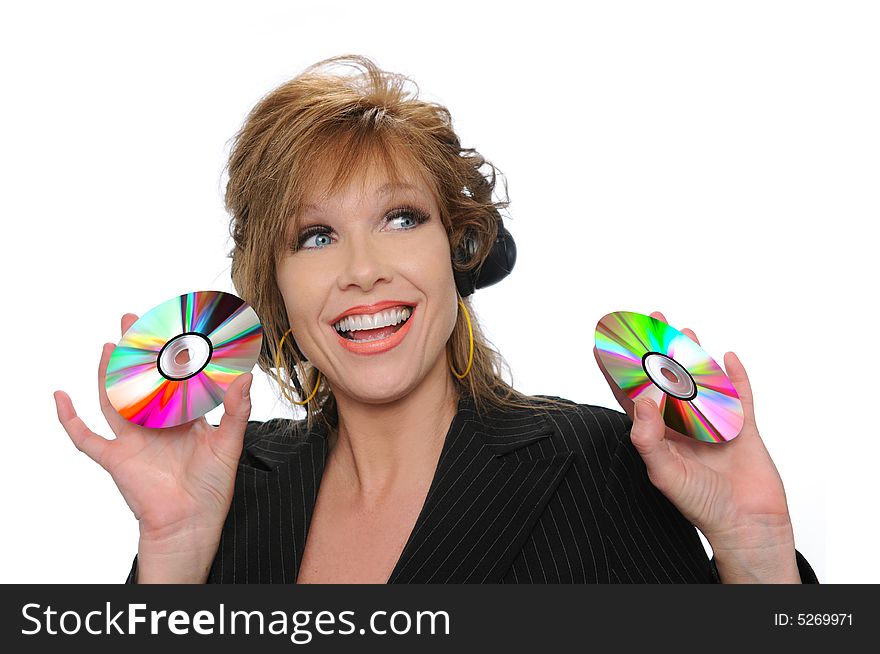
x=236, y=412
x=648, y=436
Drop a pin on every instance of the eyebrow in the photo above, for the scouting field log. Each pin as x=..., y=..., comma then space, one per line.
x=385, y=189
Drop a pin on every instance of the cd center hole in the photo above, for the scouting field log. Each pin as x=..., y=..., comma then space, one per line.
x=182, y=358
x=669, y=375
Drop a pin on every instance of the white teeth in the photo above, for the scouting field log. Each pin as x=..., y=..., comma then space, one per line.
x=382, y=319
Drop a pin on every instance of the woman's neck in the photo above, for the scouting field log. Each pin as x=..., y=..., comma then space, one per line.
x=384, y=449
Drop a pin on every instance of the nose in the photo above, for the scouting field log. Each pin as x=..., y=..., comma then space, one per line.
x=365, y=264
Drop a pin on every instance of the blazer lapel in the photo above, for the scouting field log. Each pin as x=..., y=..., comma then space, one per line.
x=276, y=488
x=480, y=508
x=482, y=503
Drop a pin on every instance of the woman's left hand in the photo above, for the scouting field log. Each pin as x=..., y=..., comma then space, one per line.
x=730, y=491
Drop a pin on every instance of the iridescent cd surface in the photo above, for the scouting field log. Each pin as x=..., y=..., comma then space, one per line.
x=647, y=358
x=175, y=363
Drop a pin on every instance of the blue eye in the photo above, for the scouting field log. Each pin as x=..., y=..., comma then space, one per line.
x=414, y=216
x=410, y=218
x=316, y=231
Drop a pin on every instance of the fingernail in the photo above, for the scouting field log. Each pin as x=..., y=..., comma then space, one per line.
x=246, y=389
x=643, y=411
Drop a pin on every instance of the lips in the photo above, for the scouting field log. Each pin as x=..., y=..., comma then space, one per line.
x=380, y=345
x=369, y=309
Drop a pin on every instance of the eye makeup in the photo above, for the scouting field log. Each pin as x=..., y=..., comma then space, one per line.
x=418, y=216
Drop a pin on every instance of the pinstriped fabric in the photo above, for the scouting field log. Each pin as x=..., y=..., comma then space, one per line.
x=518, y=496
x=608, y=524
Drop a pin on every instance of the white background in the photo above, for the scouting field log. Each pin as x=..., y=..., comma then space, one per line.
x=716, y=161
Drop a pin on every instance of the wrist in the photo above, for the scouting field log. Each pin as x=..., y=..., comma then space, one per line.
x=745, y=568
x=763, y=554
x=183, y=558
x=189, y=568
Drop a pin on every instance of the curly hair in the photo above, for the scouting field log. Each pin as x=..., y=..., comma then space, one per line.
x=325, y=125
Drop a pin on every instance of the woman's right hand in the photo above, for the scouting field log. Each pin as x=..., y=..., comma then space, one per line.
x=177, y=481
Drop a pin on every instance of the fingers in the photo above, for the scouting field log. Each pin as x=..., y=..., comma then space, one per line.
x=127, y=321
x=691, y=335
x=237, y=411
x=737, y=373
x=648, y=435
x=116, y=421
x=659, y=316
x=83, y=438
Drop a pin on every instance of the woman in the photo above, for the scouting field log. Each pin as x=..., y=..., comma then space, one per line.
x=360, y=226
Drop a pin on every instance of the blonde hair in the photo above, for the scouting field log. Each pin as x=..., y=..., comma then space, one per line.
x=322, y=122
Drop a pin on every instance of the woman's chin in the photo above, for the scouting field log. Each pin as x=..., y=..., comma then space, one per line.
x=372, y=392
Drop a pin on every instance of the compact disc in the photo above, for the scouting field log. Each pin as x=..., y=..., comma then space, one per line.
x=176, y=361
x=647, y=358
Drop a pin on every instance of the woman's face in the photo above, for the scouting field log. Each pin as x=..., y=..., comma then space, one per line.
x=371, y=243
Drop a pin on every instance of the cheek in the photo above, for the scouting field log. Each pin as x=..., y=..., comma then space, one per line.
x=283, y=280
x=430, y=268
x=301, y=300
x=438, y=283
x=433, y=255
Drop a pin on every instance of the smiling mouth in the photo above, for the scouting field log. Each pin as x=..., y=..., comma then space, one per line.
x=367, y=335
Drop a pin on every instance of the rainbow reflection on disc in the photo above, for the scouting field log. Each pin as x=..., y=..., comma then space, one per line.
x=647, y=358
x=175, y=363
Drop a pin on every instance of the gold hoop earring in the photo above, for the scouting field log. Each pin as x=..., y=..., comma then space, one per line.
x=278, y=374
x=467, y=317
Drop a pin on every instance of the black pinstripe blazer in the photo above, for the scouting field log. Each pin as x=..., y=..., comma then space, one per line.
x=518, y=496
